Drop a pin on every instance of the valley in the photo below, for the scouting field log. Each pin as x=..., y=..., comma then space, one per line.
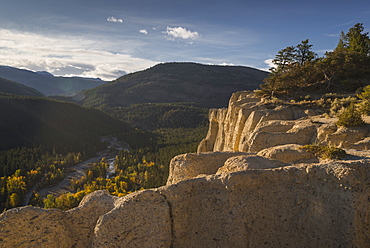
x=62, y=187
x=76, y=172
x=155, y=131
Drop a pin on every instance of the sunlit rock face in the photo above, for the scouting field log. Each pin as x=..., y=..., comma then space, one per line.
x=35, y=227
x=249, y=125
x=267, y=204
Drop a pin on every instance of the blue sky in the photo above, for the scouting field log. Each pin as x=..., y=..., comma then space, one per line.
x=108, y=38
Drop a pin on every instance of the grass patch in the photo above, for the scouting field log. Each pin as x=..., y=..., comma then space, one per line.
x=350, y=117
x=325, y=152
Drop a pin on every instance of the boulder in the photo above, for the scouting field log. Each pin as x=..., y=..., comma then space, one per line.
x=35, y=227
x=82, y=220
x=190, y=165
x=289, y=153
x=346, y=137
x=248, y=162
x=141, y=219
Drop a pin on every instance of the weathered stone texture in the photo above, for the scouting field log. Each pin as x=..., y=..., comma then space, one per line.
x=35, y=227
x=307, y=205
x=248, y=162
x=83, y=218
x=249, y=125
x=191, y=165
x=140, y=219
x=289, y=153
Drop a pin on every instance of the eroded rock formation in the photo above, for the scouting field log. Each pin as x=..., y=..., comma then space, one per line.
x=258, y=190
x=249, y=125
x=306, y=205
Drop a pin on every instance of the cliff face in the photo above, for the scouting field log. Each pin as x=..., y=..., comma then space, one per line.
x=281, y=196
x=248, y=125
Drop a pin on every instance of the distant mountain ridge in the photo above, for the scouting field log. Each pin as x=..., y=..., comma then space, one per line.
x=206, y=85
x=48, y=84
x=11, y=87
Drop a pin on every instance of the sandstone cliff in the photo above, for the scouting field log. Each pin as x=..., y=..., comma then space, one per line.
x=255, y=188
x=248, y=125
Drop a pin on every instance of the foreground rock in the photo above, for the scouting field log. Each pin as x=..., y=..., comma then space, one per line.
x=262, y=203
x=141, y=219
x=191, y=165
x=35, y=227
x=311, y=206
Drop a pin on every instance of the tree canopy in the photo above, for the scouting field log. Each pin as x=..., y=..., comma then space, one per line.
x=346, y=68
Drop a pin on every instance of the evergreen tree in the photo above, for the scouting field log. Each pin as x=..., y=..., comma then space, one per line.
x=303, y=52
x=291, y=70
x=346, y=68
x=342, y=43
x=357, y=41
x=284, y=58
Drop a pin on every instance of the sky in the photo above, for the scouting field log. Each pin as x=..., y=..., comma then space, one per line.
x=109, y=38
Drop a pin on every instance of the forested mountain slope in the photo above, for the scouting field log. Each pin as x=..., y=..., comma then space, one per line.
x=153, y=116
x=33, y=121
x=208, y=85
x=11, y=87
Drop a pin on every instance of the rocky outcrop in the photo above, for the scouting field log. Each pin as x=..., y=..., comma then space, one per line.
x=191, y=165
x=310, y=206
x=290, y=153
x=141, y=219
x=262, y=205
x=248, y=162
x=35, y=227
x=258, y=189
x=249, y=125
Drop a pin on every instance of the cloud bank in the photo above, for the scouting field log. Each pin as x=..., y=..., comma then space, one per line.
x=181, y=33
x=67, y=55
x=113, y=19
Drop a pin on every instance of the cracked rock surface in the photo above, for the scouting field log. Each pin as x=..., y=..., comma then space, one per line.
x=303, y=205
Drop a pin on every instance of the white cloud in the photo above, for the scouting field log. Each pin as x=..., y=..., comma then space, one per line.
x=67, y=55
x=221, y=64
x=181, y=33
x=143, y=31
x=227, y=64
x=113, y=19
x=269, y=62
